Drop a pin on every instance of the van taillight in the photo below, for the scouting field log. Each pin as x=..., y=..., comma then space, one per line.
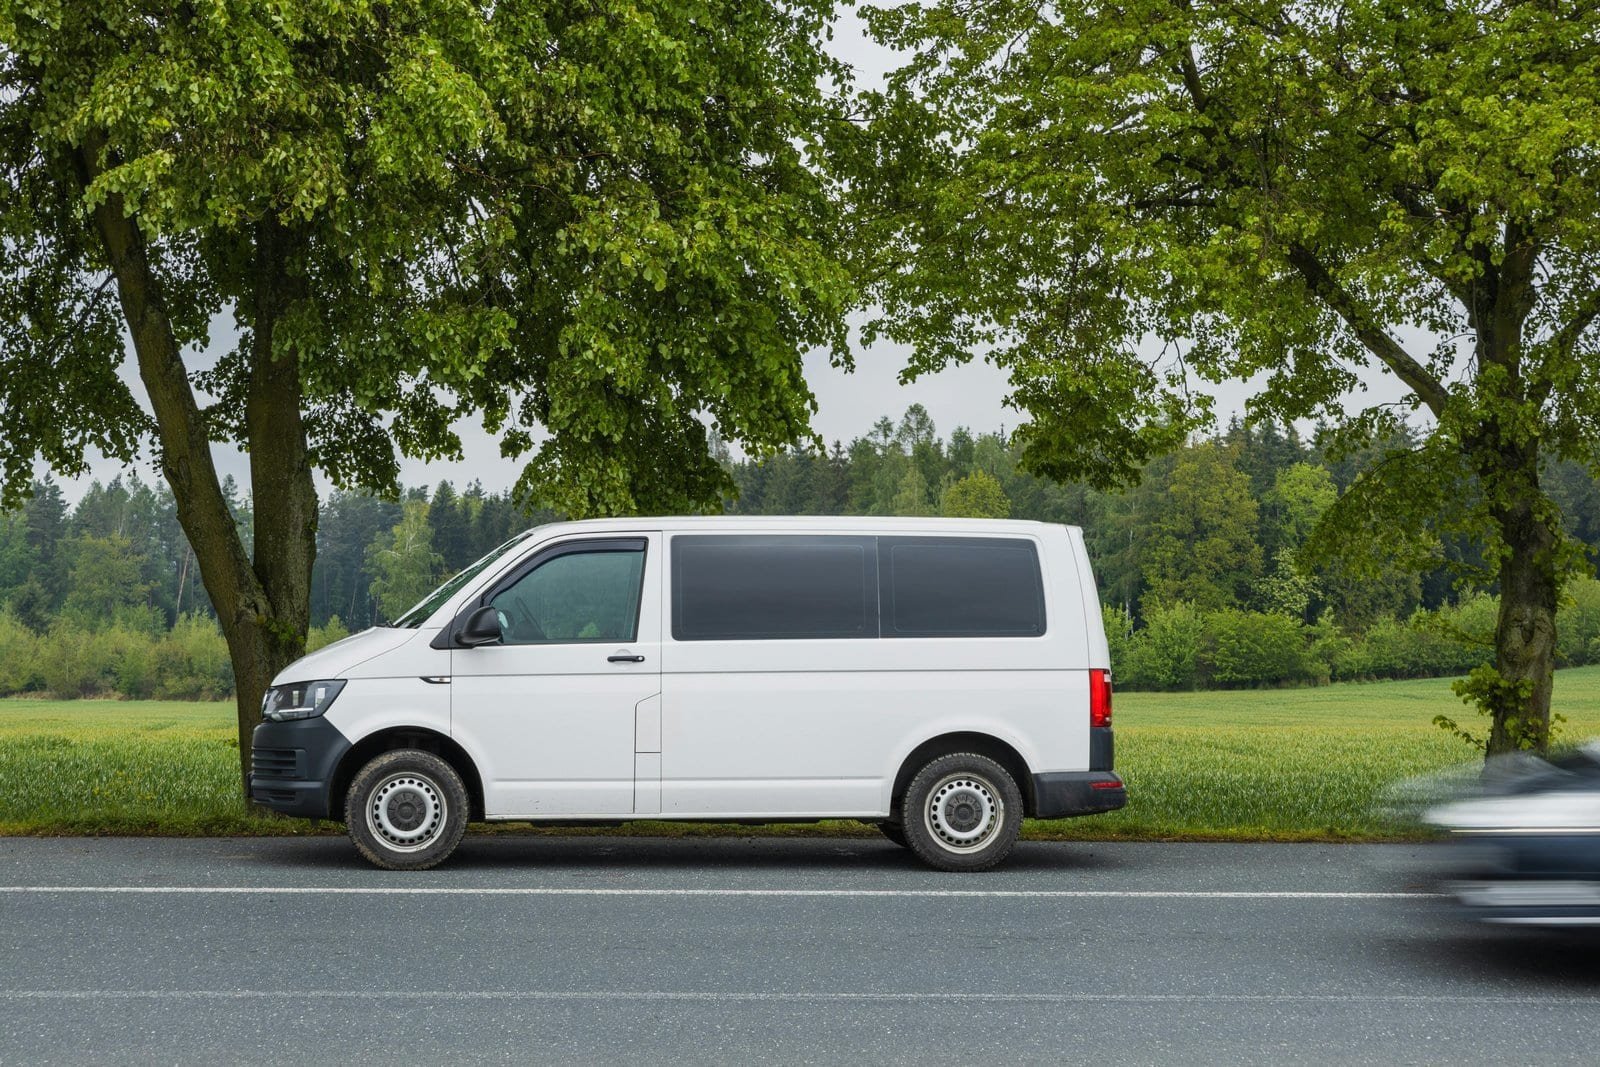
x=1099, y=697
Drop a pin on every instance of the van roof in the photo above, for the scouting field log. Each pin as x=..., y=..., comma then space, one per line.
x=864, y=524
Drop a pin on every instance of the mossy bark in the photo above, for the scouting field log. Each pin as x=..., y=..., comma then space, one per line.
x=263, y=603
x=1525, y=631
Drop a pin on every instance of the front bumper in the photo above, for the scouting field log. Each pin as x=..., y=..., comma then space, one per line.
x=1062, y=794
x=292, y=766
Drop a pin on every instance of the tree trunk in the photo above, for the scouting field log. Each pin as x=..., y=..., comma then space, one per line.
x=262, y=606
x=259, y=647
x=1498, y=304
x=255, y=661
x=1525, y=632
x=282, y=491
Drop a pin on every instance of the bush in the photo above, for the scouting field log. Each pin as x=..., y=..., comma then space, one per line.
x=1350, y=658
x=1428, y=645
x=133, y=662
x=1471, y=624
x=1329, y=644
x=192, y=662
x=76, y=662
x=19, y=656
x=1578, y=624
x=326, y=634
x=1166, y=653
x=1455, y=639
x=1390, y=650
x=188, y=663
x=1252, y=648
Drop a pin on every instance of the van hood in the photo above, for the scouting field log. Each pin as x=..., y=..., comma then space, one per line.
x=341, y=658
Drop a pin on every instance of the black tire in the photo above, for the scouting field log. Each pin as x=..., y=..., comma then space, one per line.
x=406, y=810
x=977, y=818
x=894, y=832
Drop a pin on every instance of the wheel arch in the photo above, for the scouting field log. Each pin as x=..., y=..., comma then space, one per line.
x=983, y=744
x=397, y=737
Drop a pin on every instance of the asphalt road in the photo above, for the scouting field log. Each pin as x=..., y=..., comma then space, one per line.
x=579, y=950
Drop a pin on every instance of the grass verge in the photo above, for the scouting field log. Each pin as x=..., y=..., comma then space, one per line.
x=1266, y=765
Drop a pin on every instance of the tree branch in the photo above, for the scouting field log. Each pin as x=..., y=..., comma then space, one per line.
x=180, y=428
x=1566, y=339
x=1377, y=340
x=1327, y=288
x=280, y=468
x=1414, y=206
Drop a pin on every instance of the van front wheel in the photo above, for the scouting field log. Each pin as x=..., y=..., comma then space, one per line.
x=962, y=813
x=406, y=810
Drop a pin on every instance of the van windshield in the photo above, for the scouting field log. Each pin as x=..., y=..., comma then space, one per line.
x=436, y=599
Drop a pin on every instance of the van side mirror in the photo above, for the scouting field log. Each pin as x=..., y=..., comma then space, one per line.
x=481, y=628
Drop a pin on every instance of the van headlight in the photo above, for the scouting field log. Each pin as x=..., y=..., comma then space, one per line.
x=299, y=700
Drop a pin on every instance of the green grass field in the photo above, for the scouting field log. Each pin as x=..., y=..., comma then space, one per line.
x=1289, y=764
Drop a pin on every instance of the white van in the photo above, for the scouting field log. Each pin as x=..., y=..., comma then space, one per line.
x=939, y=677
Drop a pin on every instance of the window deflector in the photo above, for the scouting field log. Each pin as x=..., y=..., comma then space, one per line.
x=449, y=636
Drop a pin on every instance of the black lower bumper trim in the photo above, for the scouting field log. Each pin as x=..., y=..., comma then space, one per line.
x=305, y=754
x=1061, y=794
x=308, y=800
x=1102, y=749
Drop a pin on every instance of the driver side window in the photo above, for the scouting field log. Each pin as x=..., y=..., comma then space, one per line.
x=574, y=597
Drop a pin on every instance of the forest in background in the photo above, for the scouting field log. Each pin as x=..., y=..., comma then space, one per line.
x=1202, y=567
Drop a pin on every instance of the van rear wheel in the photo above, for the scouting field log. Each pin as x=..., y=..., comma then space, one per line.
x=963, y=812
x=406, y=810
x=894, y=832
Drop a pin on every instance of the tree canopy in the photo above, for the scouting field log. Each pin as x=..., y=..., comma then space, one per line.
x=1124, y=204
x=590, y=221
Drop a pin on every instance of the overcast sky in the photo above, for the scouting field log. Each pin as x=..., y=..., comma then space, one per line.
x=972, y=395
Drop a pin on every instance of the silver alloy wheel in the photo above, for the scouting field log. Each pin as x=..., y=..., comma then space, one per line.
x=406, y=811
x=964, y=812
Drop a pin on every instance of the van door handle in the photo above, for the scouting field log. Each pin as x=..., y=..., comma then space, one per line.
x=622, y=657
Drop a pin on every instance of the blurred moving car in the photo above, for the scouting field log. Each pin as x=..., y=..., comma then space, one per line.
x=1524, y=845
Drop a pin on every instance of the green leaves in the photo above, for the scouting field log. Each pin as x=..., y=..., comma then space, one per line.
x=1203, y=548
x=979, y=495
x=404, y=566
x=1126, y=205
x=676, y=261
x=1117, y=195
x=602, y=226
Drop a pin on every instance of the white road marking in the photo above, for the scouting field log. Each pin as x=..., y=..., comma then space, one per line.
x=314, y=995
x=602, y=891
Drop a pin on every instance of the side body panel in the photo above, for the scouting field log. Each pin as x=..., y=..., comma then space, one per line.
x=387, y=690
x=820, y=727
x=552, y=727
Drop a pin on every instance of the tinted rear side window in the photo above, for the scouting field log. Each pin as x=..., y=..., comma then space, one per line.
x=960, y=587
x=742, y=588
